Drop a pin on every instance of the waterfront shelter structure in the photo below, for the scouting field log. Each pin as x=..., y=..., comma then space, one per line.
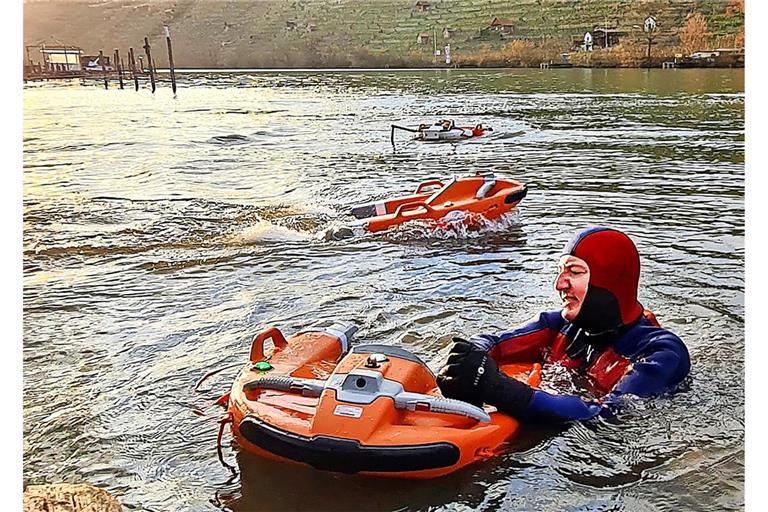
x=61, y=58
x=721, y=57
x=502, y=25
x=606, y=37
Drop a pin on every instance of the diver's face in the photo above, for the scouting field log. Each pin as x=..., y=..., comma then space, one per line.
x=571, y=285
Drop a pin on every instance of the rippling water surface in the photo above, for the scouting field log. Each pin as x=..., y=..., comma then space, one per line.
x=161, y=233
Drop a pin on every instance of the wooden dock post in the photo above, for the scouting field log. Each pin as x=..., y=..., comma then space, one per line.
x=132, y=60
x=147, y=50
x=119, y=68
x=31, y=64
x=170, y=58
x=103, y=69
x=124, y=69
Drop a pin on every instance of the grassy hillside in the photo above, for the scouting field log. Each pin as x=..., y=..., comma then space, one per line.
x=321, y=33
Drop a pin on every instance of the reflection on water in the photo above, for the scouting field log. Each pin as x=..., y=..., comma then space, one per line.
x=160, y=234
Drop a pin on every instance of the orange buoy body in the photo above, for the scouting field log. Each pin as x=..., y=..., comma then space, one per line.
x=370, y=409
x=483, y=194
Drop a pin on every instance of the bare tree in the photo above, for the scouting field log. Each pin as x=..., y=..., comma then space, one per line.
x=694, y=34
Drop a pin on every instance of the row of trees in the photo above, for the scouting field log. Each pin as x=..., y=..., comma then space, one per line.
x=694, y=36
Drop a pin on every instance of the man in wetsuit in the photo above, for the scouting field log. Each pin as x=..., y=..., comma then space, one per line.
x=602, y=333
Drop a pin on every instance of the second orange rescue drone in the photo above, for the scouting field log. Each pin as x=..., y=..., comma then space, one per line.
x=482, y=193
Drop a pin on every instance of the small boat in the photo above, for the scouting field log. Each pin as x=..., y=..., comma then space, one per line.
x=482, y=193
x=445, y=130
x=376, y=410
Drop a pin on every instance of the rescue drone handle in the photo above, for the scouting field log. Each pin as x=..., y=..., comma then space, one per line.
x=392, y=132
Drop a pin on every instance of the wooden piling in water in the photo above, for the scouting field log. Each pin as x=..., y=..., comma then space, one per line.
x=103, y=69
x=132, y=59
x=119, y=68
x=170, y=58
x=147, y=50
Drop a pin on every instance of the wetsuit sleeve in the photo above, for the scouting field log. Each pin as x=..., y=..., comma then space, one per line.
x=557, y=408
x=524, y=344
x=662, y=367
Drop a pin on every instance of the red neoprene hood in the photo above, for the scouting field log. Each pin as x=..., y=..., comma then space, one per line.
x=614, y=267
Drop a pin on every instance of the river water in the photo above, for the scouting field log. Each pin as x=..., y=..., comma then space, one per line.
x=162, y=233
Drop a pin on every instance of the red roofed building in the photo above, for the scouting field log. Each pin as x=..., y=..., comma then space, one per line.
x=502, y=25
x=422, y=6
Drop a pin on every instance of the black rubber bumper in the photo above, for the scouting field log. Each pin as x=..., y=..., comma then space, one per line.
x=515, y=197
x=347, y=455
x=364, y=211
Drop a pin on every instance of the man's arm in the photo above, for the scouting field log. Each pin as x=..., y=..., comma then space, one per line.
x=663, y=367
x=472, y=375
x=523, y=344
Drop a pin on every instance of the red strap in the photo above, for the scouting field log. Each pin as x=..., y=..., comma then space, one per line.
x=648, y=314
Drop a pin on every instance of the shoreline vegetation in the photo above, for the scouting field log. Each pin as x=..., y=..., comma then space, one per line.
x=353, y=34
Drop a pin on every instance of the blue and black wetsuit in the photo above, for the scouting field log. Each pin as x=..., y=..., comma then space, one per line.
x=641, y=359
x=613, y=341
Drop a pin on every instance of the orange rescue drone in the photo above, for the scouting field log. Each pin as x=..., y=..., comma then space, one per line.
x=369, y=409
x=483, y=193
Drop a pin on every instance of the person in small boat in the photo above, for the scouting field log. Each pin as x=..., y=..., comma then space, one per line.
x=602, y=333
x=446, y=124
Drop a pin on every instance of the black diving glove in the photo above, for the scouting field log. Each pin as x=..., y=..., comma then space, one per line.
x=473, y=376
